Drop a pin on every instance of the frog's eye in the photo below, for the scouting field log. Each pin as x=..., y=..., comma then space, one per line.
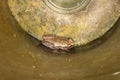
x=71, y=41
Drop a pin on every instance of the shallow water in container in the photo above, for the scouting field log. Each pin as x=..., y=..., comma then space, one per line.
x=22, y=59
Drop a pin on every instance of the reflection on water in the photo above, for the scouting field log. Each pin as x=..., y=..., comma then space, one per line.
x=21, y=59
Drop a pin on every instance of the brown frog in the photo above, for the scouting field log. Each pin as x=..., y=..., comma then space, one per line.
x=57, y=42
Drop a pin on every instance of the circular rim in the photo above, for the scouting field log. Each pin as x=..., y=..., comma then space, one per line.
x=69, y=10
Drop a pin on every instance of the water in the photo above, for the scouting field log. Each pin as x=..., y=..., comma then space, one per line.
x=22, y=59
